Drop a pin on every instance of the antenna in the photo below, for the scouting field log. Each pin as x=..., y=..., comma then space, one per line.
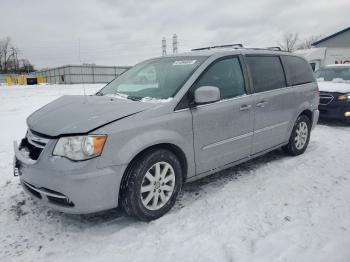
x=79, y=49
x=81, y=70
x=163, y=46
x=175, y=44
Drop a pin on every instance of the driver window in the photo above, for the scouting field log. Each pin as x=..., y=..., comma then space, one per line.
x=226, y=75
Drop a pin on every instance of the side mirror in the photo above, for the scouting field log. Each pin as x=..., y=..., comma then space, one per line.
x=206, y=94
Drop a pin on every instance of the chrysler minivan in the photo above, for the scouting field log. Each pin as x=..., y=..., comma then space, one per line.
x=165, y=122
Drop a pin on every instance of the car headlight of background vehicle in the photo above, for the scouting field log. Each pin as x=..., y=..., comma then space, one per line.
x=344, y=98
x=80, y=147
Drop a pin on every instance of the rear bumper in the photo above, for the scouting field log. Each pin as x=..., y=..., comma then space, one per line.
x=315, y=118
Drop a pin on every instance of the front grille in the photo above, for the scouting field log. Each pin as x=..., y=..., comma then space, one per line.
x=33, y=145
x=32, y=151
x=326, y=99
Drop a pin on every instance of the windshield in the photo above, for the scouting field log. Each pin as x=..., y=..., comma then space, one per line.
x=340, y=74
x=155, y=79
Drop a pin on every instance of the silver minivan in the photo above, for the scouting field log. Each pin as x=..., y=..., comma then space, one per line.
x=162, y=123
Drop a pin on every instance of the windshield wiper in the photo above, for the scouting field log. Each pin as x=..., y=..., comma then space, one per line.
x=134, y=98
x=121, y=95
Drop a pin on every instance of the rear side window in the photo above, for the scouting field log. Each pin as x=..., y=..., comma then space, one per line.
x=225, y=74
x=298, y=71
x=267, y=73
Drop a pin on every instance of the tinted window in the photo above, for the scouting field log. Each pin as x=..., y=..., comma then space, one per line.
x=267, y=73
x=298, y=71
x=226, y=75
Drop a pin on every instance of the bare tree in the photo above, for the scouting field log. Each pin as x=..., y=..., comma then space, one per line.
x=9, y=58
x=289, y=42
x=307, y=42
x=4, y=53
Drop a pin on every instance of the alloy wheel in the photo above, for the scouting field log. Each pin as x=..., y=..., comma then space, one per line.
x=157, y=186
x=301, y=135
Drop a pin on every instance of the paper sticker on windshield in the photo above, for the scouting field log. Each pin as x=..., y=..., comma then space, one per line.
x=184, y=62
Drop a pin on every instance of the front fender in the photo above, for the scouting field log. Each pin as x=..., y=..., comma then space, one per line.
x=123, y=146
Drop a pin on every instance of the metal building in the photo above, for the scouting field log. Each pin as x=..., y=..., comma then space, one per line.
x=76, y=74
x=339, y=39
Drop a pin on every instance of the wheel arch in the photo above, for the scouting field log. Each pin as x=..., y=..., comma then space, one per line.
x=176, y=150
x=303, y=110
x=308, y=114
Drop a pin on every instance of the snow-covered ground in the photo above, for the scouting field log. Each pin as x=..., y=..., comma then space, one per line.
x=275, y=208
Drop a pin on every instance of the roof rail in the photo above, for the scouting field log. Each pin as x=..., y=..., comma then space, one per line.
x=235, y=46
x=275, y=48
x=272, y=48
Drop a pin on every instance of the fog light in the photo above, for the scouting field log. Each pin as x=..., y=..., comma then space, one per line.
x=347, y=114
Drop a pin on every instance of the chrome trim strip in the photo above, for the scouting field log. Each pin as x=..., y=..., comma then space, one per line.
x=330, y=97
x=36, y=140
x=219, y=143
x=35, y=144
x=44, y=192
x=24, y=159
x=270, y=127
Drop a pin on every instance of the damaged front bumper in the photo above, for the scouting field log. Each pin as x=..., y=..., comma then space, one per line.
x=77, y=187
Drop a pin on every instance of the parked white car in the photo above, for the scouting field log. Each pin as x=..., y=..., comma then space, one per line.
x=323, y=56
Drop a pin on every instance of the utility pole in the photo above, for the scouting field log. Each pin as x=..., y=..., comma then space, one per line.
x=175, y=44
x=163, y=46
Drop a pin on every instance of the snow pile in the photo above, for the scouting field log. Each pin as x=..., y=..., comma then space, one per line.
x=156, y=100
x=275, y=208
x=144, y=99
x=328, y=86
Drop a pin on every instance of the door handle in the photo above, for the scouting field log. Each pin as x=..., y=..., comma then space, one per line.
x=261, y=104
x=245, y=107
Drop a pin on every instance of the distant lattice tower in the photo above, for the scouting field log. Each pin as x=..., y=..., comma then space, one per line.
x=175, y=43
x=163, y=46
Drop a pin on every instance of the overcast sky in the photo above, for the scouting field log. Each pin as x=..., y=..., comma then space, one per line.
x=123, y=32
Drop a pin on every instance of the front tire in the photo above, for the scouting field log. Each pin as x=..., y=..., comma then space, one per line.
x=300, y=137
x=152, y=184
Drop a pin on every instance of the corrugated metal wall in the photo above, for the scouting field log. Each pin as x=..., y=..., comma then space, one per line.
x=73, y=74
x=3, y=79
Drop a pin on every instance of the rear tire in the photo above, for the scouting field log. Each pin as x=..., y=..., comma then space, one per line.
x=299, y=138
x=152, y=184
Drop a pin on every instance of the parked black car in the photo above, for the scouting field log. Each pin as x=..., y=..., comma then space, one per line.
x=334, y=86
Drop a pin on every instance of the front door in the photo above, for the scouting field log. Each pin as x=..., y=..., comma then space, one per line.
x=223, y=130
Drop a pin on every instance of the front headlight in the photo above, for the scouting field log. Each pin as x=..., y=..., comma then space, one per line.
x=344, y=98
x=80, y=147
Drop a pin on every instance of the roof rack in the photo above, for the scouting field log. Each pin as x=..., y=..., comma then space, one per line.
x=274, y=48
x=235, y=46
x=240, y=46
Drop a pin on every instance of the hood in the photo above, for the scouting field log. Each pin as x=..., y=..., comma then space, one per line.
x=328, y=86
x=81, y=114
